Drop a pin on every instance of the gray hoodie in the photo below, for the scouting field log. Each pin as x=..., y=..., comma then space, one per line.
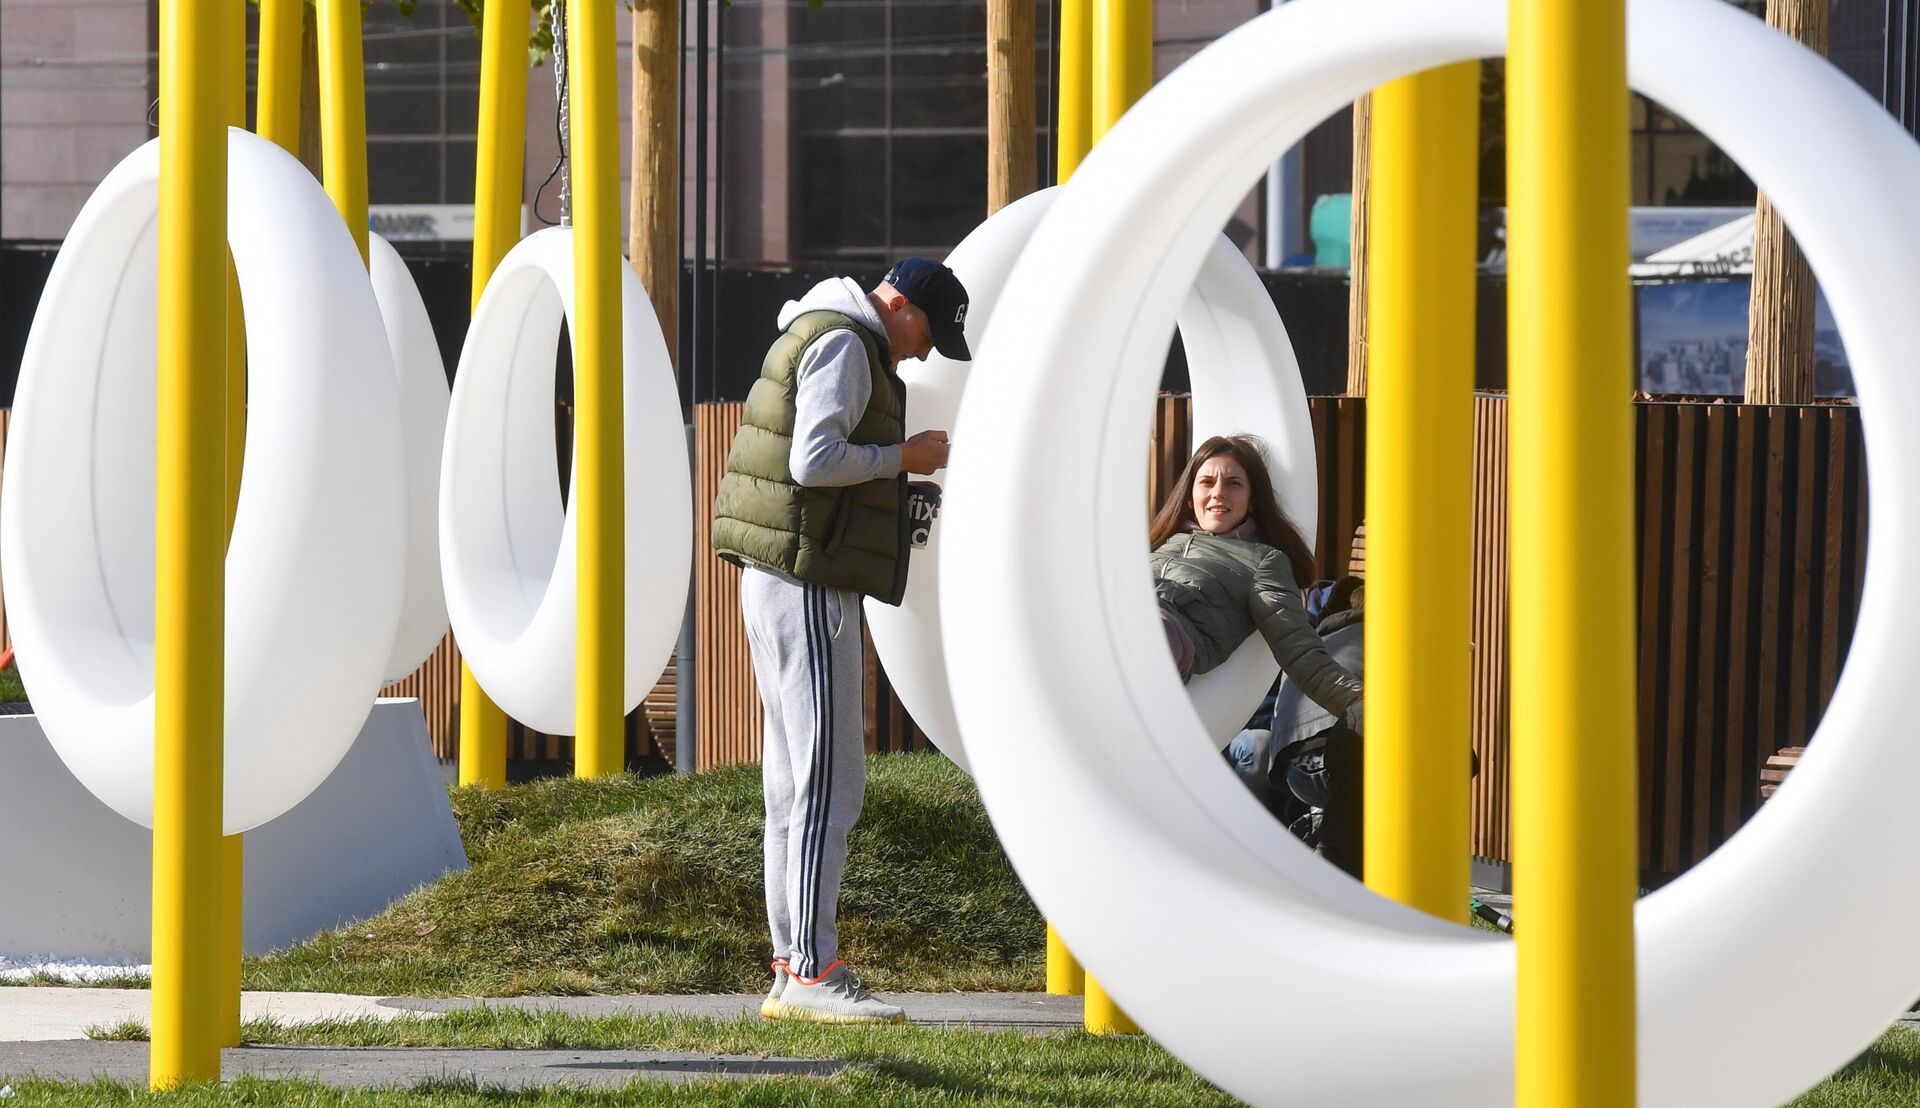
x=833, y=384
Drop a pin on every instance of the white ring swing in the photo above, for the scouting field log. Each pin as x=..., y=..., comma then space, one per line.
x=1170, y=863
x=506, y=543
x=1245, y=379
x=316, y=561
x=422, y=379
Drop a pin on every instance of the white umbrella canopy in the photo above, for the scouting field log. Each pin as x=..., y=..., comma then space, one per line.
x=1725, y=251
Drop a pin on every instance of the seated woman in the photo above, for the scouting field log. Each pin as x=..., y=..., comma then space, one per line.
x=1227, y=562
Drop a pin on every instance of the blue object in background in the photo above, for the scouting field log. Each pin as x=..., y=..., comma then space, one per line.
x=1331, y=228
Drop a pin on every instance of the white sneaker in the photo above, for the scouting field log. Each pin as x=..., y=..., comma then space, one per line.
x=836, y=996
x=770, y=1007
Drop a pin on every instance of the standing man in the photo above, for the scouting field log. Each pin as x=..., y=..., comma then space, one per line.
x=814, y=507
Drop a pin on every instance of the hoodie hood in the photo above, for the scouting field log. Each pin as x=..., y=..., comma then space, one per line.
x=835, y=294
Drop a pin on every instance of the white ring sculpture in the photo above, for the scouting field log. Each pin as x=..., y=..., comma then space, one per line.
x=422, y=379
x=506, y=543
x=1170, y=862
x=315, y=564
x=1245, y=379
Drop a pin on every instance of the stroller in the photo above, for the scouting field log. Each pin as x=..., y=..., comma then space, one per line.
x=1307, y=766
x=1299, y=760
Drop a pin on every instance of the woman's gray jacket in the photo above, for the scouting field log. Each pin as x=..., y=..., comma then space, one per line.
x=1224, y=589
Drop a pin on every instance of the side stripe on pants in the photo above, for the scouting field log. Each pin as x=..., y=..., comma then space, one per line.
x=819, y=801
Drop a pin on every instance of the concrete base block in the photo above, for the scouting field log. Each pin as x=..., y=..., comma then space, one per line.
x=76, y=878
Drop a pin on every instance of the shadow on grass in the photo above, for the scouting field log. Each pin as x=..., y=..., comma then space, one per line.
x=1891, y=1058
x=1885, y=1075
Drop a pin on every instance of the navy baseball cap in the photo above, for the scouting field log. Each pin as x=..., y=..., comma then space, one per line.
x=934, y=289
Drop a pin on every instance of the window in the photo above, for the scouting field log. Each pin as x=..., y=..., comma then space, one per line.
x=422, y=104
x=889, y=110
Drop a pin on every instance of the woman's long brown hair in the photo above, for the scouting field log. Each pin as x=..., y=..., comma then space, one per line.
x=1272, y=525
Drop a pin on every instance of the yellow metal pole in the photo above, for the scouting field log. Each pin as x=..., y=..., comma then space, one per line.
x=1122, y=59
x=1106, y=63
x=1101, y=1016
x=499, y=158
x=190, y=542
x=1420, y=488
x=1064, y=975
x=1121, y=72
x=500, y=154
x=1571, y=436
x=483, y=735
x=233, y=855
x=343, y=113
x=277, y=107
x=599, y=745
x=1073, y=136
x=232, y=849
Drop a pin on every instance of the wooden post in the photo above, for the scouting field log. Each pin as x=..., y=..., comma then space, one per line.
x=1012, y=161
x=1358, y=238
x=653, y=236
x=1780, y=315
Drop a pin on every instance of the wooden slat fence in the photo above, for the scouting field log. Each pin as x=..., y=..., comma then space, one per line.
x=727, y=703
x=1751, y=548
x=1172, y=444
x=1758, y=517
x=1491, y=807
x=1340, y=445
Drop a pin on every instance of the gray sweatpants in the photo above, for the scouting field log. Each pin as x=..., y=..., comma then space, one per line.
x=806, y=659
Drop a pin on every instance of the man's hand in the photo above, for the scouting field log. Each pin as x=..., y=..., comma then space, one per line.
x=924, y=452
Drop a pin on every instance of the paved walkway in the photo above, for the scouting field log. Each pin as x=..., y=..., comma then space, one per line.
x=402, y=1067
x=43, y=1032
x=34, y=1014
x=53, y=1013
x=1035, y=1012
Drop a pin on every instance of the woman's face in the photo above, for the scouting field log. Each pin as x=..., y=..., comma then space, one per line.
x=1221, y=493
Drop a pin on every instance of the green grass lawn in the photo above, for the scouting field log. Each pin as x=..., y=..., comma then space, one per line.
x=11, y=690
x=889, y=1065
x=629, y=884
x=1887, y=1075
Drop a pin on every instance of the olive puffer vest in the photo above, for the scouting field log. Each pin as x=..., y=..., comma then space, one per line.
x=847, y=537
x=1224, y=589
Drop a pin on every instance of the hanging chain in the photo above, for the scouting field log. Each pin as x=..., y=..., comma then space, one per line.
x=560, y=98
